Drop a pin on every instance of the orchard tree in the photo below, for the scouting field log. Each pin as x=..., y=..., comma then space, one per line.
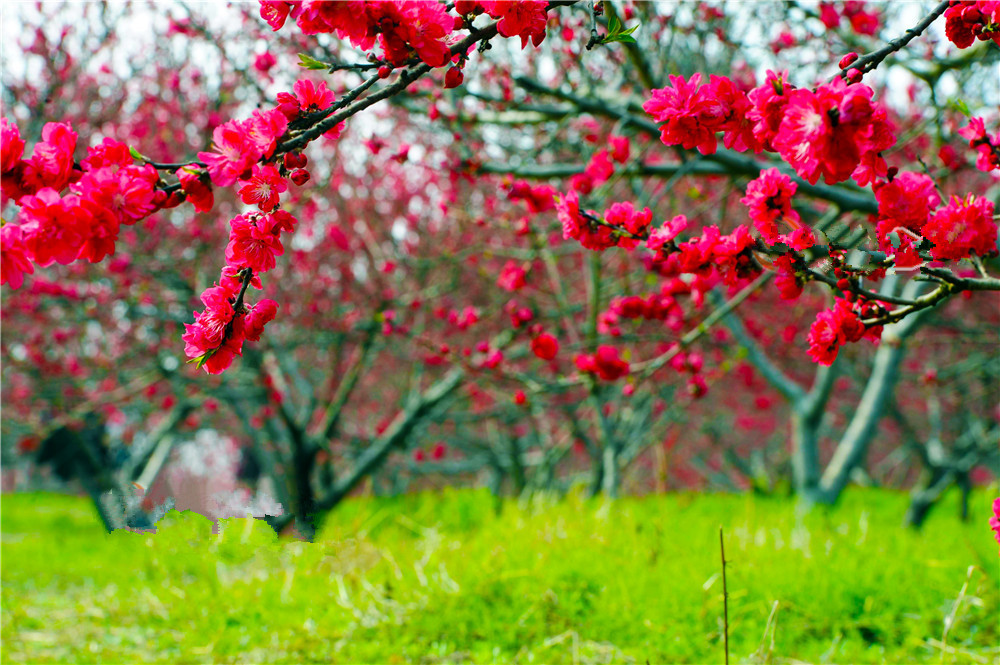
x=530, y=240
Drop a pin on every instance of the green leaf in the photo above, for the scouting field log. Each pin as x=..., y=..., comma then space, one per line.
x=202, y=359
x=137, y=155
x=623, y=38
x=310, y=62
x=617, y=33
x=959, y=105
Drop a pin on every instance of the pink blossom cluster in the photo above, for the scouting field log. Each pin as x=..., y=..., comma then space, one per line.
x=622, y=226
x=239, y=144
x=961, y=228
x=969, y=20
x=769, y=202
x=606, y=362
x=995, y=519
x=216, y=337
x=106, y=190
x=835, y=131
x=863, y=21
x=836, y=326
x=662, y=306
x=987, y=147
x=907, y=215
x=407, y=28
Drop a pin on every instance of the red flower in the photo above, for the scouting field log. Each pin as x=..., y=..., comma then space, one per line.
x=51, y=163
x=605, y=362
x=787, y=281
x=312, y=97
x=966, y=21
x=14, y=260
x=263, y=62
x=512, y=277
x=831, y=329
x=768, y=107
x=263, y=187
x=539, y=199
x=261, y=314
x=196, y=186
x=545, y=346
x=216, y=336
x=453, y=78
x=904, y=203
x=962, y=228
x=412, y=26
x=11, y=146
x=666, y=232
x=620, y=148
x=522, y=18
x=107, y=153
x=769, y=201
x=732, y=108
x=624, y=216
x=987, y=147
x=274, y=12
x=688, y=117
x=235, y=153
x=127, y=192
x=53, y=228
x=831, y=131
x=254, y=242
x=263, y=129
x=995, y=519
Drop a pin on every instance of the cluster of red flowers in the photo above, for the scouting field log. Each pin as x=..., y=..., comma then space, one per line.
x=904, y=205
x=545, y=346
x=218, y=332
x=834, y=131
x=730, y=256
x=961, y=228
x=995, y=519
x=906, y=216
x=243, y=150
x=512, y=277
x=834, y=327
x=606, y=362
x=769, y=201
x=107, y=190
x=862, y=21
x=662, y=306
x=404, y=28
x=987, y=147
x=239, y=144
x=622, y=225
x=692, y=114
x=969, y=20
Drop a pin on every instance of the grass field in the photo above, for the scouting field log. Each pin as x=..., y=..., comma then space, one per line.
x=446, y=578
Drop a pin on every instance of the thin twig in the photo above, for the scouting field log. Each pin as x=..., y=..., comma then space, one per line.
x=725, y=596
x=870, y=61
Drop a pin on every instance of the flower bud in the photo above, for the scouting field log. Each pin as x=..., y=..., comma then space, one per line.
x=847, y=60
x=453, y=78
x=295, y=160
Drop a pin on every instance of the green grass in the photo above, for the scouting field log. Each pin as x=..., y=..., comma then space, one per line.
x=443, y=578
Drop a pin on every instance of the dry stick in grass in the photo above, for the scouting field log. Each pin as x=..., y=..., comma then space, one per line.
x=758, y=655
x=725, y=597
x=949, y=620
